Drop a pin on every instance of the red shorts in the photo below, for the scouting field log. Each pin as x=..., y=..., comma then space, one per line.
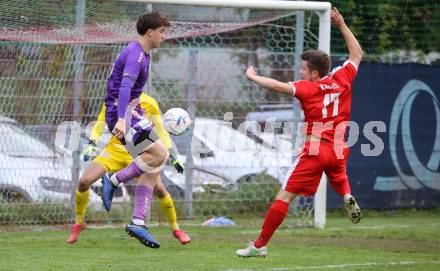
x=304, y=176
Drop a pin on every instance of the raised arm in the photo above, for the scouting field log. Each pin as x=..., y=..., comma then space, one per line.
x=354, y=48
x=268, y=83
x=99, y=126
x=153, y=113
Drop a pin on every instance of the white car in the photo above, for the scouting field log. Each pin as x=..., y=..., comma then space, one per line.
x=283, y=143
x=280, y=125
x=203, y=181
x=218, y=148
x=30, y=170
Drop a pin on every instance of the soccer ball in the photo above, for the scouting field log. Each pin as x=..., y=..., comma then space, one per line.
x=177, y=121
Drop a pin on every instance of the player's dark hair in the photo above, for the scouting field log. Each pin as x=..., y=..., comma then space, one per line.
x=317, y=60
x=152, y=20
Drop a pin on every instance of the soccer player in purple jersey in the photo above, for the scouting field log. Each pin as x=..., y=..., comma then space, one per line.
x=125, y=119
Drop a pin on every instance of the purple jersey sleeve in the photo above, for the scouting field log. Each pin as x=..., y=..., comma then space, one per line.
x=131, y=71
x=124, y=95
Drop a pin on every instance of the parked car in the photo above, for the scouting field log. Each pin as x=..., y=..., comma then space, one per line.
x=280, y=127
x=219, y=148
x=202, y=181
x=31, y=170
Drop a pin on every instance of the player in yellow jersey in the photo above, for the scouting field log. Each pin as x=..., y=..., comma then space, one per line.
x=115, y=157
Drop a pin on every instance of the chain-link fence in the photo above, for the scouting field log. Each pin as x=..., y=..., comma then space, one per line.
x=200, y=68
x=238, y=174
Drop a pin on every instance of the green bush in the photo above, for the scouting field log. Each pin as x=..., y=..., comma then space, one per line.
x=251, y=195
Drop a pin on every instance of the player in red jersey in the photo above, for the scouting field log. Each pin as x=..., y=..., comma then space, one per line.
x=326, y=101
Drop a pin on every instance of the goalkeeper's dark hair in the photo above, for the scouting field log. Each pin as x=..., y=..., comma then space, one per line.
x=317, y=60
x=152, y=20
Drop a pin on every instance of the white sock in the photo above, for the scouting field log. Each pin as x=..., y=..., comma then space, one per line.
x=138, y=222
x=114, y=180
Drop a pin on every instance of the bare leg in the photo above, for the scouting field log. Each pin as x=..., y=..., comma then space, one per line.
x=286, y=196
x=160, y=190
x=155, y=156
x=92, y=173
x=150, y=161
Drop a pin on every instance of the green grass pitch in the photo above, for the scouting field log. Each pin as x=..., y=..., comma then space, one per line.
x=379, y=242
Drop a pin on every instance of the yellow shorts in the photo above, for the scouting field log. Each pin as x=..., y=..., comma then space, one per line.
x=113, y=158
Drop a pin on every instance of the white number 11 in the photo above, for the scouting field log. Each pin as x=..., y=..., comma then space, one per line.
x=328, y=99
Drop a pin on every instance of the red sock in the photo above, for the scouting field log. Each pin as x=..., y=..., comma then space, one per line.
x=273, y=220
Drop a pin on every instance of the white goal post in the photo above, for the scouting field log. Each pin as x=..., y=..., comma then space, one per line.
x=322, y=9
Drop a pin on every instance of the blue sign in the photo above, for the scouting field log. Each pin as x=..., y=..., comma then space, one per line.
x=407, y=172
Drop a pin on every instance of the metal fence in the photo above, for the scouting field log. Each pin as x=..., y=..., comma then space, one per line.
x=44, y=88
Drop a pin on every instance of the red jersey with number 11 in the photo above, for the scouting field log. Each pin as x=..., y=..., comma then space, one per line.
x=327, y=103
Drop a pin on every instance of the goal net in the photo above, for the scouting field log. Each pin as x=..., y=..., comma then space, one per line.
x=55, y=57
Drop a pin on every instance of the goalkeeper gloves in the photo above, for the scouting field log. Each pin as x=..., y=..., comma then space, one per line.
x=89, y=151
x=177, y=164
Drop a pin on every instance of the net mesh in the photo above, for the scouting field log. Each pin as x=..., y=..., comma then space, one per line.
x=53, y=68
x=115, y=21
x=392, y=31
x=53, y=71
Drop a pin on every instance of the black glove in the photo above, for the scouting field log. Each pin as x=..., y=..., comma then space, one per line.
x=177, y=164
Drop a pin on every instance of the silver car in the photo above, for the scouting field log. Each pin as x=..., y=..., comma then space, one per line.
x=30, y=170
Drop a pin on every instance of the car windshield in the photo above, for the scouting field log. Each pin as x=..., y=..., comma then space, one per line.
x=224, y=137
x=16, y=142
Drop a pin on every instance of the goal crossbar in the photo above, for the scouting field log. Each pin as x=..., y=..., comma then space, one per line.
x=256, y=4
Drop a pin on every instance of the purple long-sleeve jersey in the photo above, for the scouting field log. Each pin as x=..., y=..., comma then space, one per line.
x=128, y=76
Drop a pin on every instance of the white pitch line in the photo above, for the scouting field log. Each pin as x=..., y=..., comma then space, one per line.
x=357, y=227
x=334, y=266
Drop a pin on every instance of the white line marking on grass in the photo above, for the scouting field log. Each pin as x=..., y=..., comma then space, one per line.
x=335, y=266
x=371, y=227
x=357, y=227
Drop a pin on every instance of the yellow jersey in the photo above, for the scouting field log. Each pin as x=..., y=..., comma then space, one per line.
x=152, y=112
